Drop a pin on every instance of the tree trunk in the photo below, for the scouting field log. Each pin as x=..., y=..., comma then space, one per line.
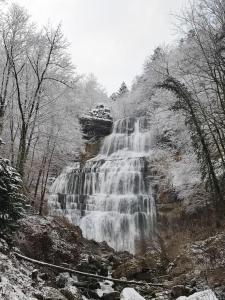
x=22, y=157
x=2, y=113
x=184, y=95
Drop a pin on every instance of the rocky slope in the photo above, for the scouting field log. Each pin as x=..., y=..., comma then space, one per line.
x=199, y=267
x=55, y=241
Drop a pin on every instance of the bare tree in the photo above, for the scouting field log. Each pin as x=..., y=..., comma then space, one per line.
x=37, y=60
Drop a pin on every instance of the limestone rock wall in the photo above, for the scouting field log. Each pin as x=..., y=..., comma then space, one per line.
x=95, y=125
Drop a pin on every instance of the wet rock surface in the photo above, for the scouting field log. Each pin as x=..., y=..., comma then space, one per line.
x=111, y=296
x=147, y=267
x=198, y=268
x=55, y=240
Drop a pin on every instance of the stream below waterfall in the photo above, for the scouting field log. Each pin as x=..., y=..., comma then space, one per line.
x=109, y=198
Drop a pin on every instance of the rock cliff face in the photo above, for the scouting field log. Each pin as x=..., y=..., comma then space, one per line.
x=91, y=149
x=97, y=123
x=180, y=221
x=95, y=126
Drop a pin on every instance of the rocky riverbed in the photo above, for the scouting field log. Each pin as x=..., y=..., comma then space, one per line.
x=55, y=241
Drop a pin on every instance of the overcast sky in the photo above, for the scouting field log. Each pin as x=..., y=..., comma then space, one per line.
x=110, y=38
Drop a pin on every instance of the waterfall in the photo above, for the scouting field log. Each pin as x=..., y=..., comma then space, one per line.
x=109, y=198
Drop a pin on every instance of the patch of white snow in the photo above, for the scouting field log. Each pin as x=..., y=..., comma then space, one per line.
x=204, y=295
x=130, y=294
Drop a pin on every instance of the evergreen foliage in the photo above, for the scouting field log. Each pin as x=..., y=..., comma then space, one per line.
x=12, y=201
x=122, y=91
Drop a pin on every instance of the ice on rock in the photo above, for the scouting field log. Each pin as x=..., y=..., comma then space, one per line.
x=204, y=295
x=130, y=294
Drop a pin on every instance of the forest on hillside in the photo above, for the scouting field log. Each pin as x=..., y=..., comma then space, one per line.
x=181, y=89
x=128, y=186
x=41, y=99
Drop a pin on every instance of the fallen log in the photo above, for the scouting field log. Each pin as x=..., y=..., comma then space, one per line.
x=42, y=263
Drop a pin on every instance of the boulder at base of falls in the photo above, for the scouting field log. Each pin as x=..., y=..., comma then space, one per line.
x=130, y=294
x=204, y=295
x=49, y=293
x=71, y=293
x=147, y=267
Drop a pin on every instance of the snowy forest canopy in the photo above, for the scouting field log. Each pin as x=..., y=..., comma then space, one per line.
x=181, y=90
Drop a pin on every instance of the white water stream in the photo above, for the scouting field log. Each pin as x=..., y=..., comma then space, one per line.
x=109, y=198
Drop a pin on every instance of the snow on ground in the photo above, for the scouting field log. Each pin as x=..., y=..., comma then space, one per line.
x=130, y=294
x=204, y=295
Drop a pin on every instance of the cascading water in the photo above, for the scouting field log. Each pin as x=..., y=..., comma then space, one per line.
x=109, y=198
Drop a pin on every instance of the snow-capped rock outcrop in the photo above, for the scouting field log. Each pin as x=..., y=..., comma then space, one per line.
x=97, y=123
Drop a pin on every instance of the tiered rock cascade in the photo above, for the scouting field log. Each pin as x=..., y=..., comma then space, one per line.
x=109, y=198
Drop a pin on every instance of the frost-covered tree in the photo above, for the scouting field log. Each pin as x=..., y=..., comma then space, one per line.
x=12, y=200
x=122, y=90
x=195, y=73
x=113, y=96
x=41, y=98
